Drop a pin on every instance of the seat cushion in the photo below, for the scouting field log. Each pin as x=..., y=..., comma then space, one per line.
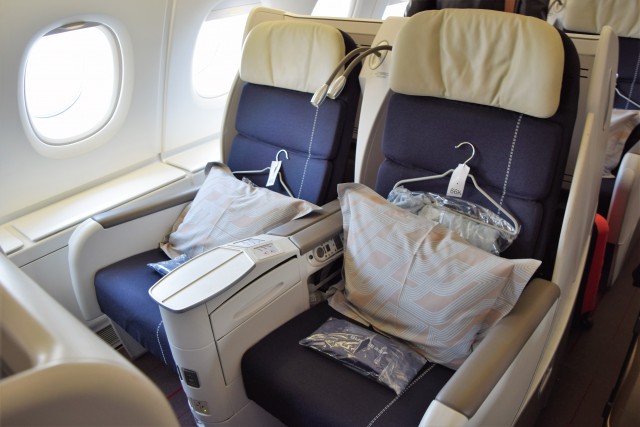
x=302, y=387
x=122, y=291
x=227, y=209
x=416, y=280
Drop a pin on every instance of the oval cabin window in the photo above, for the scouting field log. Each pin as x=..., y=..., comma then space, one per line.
x=72, y=82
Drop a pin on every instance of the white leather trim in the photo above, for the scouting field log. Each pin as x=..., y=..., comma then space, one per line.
x=485, y=57
x=291, y=55
x=589, y=16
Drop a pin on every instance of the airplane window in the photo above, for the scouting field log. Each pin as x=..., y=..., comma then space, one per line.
x=339, y=8
x=395, y=9
x=217, y=52
x=72, y=81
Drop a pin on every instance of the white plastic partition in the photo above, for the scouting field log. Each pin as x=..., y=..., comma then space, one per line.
x=583, y=196
x=624, y=210
x=62, y=374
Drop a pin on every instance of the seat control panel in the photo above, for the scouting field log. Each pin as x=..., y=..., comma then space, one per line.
x=326, y=250
x=191, y=378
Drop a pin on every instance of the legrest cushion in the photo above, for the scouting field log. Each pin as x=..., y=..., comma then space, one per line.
x=227, y=209
x=414, y=279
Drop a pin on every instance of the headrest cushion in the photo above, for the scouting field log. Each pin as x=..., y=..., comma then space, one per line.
x=291, y=55
x=486, y=57
x=589, y=16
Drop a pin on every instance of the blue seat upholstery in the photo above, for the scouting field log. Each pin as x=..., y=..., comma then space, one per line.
x=519, y=161
x=628, y=73
x=269, y=119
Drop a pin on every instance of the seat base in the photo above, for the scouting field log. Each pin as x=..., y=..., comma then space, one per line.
x=122, y=290
x=302, y=387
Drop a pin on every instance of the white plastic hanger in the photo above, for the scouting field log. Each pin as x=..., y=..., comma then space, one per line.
x=475, y=184
x=267, y=169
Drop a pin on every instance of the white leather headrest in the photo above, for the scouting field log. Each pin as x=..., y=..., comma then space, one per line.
x=484, y=57
x=291, y=55
x=589, y=16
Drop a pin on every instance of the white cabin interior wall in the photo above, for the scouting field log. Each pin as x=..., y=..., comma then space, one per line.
x=302, y=7
x=145, y=150
x=190, y=118
x=28, y=179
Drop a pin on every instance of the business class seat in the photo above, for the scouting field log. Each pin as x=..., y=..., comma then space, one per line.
x=513, y=94
x=620, y=195
x=282, y=63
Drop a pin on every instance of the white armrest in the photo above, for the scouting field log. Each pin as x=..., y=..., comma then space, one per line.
x=469, y=387
x=60, y=372
x=113, y=236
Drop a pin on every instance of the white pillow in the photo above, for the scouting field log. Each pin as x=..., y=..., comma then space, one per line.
x=226, y=209
x=416, y=280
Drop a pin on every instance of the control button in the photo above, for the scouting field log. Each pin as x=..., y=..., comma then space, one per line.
x=338, y=241
x=320, y=252
x=191, y=378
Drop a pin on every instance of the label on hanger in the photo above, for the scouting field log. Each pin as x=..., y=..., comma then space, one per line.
x=457, y=181
x=273, y=172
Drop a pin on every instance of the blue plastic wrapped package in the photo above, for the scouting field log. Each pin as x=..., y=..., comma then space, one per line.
x=165, y=267
x=371, y=354
x=476, y=224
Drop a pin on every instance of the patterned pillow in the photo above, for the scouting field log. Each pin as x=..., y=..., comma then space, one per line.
x=226, y=209
x=414, y=279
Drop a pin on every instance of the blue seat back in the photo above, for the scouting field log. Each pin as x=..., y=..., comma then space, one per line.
x=272, y=118
x=519, y=158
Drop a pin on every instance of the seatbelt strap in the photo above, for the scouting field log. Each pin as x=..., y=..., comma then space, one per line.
x=510, y=6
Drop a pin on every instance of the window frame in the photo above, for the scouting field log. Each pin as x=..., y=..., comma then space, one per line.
x=109, y=124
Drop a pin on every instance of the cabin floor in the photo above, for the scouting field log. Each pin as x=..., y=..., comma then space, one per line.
x=587, y=373
x=594, y=356
x=168, y=382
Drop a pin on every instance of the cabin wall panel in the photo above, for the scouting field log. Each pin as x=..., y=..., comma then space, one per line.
x=28, y=179
x=302, y=7
x=189, y=118
x=52, y=274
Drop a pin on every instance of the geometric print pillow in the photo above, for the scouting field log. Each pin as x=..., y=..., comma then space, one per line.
x=227, y=209
x=414, y=279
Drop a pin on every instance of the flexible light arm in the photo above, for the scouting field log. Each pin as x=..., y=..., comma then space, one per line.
x=321, y=93
x=333, y=87
x=338, y=83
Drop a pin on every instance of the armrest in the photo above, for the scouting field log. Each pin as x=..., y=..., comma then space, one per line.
x=115, y=235
x=143, y=208
x=306, y=233
x=44, y=345
x=471, y=384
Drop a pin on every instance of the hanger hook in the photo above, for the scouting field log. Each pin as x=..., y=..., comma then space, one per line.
x=473, y=152
x=286, y=154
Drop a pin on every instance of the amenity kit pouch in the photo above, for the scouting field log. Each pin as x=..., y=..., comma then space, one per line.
x=371, y=354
